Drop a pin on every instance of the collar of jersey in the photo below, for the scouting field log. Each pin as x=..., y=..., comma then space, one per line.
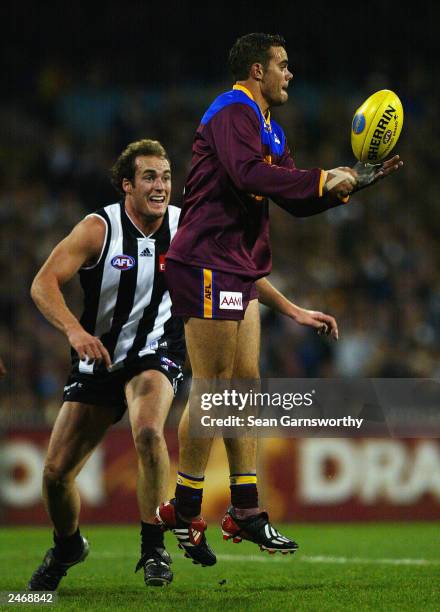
x=137, y=229
x=248, y=93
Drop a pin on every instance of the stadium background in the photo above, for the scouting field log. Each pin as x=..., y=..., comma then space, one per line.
x=81, y=84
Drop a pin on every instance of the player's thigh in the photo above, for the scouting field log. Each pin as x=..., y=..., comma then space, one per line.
x=149, y=398
x=77, y=431
x=211, y=346
x=247, y=355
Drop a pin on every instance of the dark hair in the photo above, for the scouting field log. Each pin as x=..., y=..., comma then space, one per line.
x=124, y=167
x=250, y=49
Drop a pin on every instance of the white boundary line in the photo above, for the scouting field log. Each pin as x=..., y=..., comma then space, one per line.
x=366, y=560
x=328, y=559
x=265, y=558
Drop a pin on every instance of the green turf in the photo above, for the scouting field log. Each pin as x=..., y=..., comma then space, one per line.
x=338, y=567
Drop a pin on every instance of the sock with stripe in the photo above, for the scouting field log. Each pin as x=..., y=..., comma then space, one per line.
x=244, y=492
x=189, y=493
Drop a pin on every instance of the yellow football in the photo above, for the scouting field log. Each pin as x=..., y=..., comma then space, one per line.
x=376, y=126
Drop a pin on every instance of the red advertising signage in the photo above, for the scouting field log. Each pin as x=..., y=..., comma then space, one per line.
x=327, y=479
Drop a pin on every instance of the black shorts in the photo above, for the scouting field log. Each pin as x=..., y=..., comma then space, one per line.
x=108, y=388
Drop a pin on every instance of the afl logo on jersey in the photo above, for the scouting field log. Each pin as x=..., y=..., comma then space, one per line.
x=123, y=262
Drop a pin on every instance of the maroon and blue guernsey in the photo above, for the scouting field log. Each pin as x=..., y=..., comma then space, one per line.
x=240, y=159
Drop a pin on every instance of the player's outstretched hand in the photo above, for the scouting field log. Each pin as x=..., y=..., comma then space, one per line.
x=324, y=324
x=368, y=174
x=88, y=347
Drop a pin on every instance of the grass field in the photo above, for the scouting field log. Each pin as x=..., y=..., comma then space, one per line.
x=338, y=567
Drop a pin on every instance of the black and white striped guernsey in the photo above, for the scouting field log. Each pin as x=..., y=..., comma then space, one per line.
x=126, y=301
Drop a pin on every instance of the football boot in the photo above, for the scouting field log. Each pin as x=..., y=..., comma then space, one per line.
x=156, y=565
x=257, y=529
x=49, y=574
x=190, y=534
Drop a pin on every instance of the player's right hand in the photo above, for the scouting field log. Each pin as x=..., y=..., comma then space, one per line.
x=340, y=181
x=323, y=323
x=88, y=347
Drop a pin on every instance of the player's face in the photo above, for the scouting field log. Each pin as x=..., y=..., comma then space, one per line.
x=276, y=78
x=151, y=188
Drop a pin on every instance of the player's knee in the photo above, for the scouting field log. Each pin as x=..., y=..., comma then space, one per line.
x=56, y=476
x=247, y=365
x=247, y=371
x=147, y=437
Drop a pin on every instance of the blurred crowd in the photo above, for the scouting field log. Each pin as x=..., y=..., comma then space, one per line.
x=373, y=264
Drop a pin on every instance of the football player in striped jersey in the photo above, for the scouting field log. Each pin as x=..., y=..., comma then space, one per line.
x=127, y=352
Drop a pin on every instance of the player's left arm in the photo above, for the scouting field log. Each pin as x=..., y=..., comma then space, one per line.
x=274, y=299
x=365, y=176
x=313, y=205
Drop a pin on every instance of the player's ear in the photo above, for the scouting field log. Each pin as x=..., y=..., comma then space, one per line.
x=127, y=186
x=257, y=71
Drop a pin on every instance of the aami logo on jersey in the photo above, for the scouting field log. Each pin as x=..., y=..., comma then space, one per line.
x=123, y=262
x=231, y=300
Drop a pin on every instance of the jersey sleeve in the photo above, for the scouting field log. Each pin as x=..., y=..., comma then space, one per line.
x=235, y=136
x=286, y=160
x=308, y=208
x=311, y=206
